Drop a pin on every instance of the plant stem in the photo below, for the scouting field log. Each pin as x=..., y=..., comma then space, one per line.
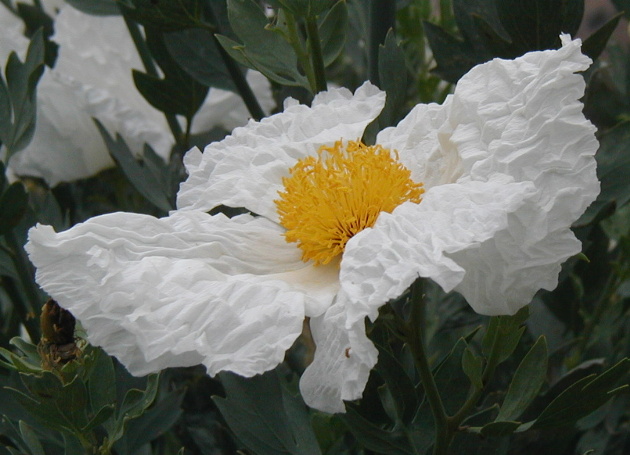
x=415, y=339
x=317, y=57
x=151, y=69
x=300, y=52
x=233, y=68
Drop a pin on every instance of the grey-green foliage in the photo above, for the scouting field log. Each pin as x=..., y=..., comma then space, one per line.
x=18, y=96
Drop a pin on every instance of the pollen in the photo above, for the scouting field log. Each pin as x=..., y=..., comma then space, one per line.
x=329, y=198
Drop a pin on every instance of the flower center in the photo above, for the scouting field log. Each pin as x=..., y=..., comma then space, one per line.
x=332, y=196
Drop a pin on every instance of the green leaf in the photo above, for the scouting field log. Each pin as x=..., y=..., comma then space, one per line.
x=529, y=377
x=18, y=96
x=398, y=383
x=151, y=185
x=332, y=32
x=505, y=29
x=508, y=329
x=13, y=205
x=473, y=367
x=499, y=428
x=595, y=44
x=30, y=438
x=451, y=380
x=623, y=6
x=374, y=438
x=103, y=414
x=156, y=421
x=167, y=15
x=613, y=165
x=102, y=382
x=260, y=420
x=584, y=397
x=196, y=52
x=175, y=94
x=303, y=8
x=392, y=70
x=134, y=404
x=96, y=7
x=262, y=49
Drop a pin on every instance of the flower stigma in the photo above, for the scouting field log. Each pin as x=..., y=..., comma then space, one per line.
x=331, y=197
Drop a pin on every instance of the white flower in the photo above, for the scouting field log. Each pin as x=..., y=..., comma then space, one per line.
x=506, y=165
x=93, y=78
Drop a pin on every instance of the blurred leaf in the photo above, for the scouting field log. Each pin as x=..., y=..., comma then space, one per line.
x=450, y=378
x=398, y=383
x=508, y=329
x=595, y=44
x=499, y=428
x=529, y=377
x=134, y=405
x=623, y=6
x=154, y=422
x=303, y=8
x=96, y=7
x=35, y=18
x=392, y=71
x=195, y=50
x=150, y=184
x=265, y=422
x=175, y=94
x=613, y=166
x=13, y=205
x=332, y=32
x=472, y=365
x=30, y=438
x=505, y=29
x=99, y=418
x=372, y=437
x=102, y=382
x=584, y=397
x=262, y=49
x=166, y=15
x=18, y=96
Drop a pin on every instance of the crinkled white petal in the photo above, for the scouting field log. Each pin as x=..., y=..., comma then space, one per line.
x=530, y=126
x=519, y=119
x=246, y=168
x=422, y=140
x=187, y=289
x=342, y=363
x=420, y=239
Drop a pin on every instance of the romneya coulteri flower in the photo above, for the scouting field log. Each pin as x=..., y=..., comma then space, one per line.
x=93, y=78
x=478, y=194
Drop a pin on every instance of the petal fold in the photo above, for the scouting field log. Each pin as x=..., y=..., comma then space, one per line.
x=342, y=363
x=246, y=168
x=182, y=290
x=420, y=240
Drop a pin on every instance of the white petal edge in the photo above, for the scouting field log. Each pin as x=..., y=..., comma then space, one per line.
x=529, y=126
x=520, y=118
x=246, y=168
x=344, y=357
x=182, y=290
x=418, y=240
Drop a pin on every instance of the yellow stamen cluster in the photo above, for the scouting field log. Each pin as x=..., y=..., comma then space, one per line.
x=332, y=196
